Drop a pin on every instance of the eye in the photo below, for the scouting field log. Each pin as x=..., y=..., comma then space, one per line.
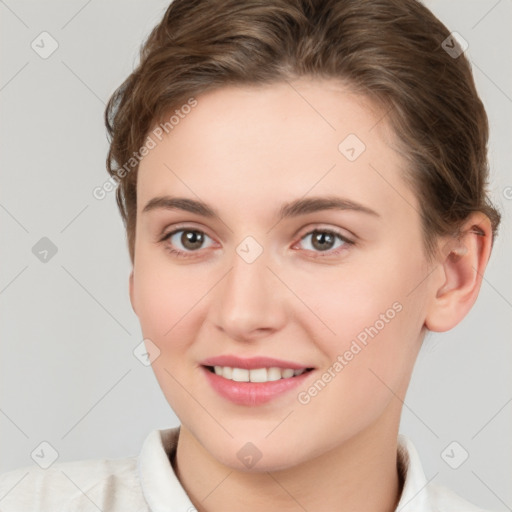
x=189, y=239
x=186, y=241
x=324, y=241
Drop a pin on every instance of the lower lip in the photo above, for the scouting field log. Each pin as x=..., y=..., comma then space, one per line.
x=252, y=393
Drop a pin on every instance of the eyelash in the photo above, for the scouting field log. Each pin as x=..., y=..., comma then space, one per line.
x=319, y=254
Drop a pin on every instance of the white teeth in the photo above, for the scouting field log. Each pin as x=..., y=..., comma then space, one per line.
x=274, y=373
x=240, y=375
x=256, y=374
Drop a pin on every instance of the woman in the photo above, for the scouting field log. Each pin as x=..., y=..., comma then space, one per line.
x=303, y=188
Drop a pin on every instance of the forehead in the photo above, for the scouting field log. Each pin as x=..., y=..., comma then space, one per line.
x=248, y=148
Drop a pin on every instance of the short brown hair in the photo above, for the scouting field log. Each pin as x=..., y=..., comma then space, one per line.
x=389, y=50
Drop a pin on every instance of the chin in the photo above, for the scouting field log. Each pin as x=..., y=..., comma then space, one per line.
x=256, y=456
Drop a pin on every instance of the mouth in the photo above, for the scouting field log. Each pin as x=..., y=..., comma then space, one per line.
x=254, y=381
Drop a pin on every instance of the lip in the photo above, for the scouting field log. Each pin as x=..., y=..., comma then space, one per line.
x=251, y=363
x=252, y=393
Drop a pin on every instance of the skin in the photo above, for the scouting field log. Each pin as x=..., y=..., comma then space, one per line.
x=245, y=151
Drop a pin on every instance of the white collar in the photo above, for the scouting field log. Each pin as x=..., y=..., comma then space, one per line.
x=415, y=496
x=160, y=485
x=163, y=491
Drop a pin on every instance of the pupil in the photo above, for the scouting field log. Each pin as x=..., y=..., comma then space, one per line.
x=322, y=241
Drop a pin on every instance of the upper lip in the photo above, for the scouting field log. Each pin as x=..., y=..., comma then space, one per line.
x=251, y=363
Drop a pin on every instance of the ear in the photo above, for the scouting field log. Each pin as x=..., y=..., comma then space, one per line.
x=463, y=261
x=132, y=299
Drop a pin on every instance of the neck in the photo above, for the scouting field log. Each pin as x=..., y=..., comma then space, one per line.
x=359, y=475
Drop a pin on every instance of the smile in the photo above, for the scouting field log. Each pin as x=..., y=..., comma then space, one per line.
x=254, y=386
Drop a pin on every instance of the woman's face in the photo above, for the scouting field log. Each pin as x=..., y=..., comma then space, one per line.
x=251, y=278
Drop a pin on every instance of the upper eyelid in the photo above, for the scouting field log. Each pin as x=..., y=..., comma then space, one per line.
x=335, y=231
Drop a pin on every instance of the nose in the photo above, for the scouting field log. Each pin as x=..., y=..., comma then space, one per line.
x=249, y=303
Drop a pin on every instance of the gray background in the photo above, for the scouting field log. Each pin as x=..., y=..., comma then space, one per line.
x=68, y=373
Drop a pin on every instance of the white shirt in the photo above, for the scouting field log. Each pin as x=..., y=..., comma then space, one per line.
x=148, y=484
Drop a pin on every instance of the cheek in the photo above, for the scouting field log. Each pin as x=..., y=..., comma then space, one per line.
x=166, y=296
x=347, y=301
x=369, y=359
x=368, y=316
x=168, y=303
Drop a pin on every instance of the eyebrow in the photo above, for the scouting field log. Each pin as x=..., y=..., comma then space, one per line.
x=294, y=208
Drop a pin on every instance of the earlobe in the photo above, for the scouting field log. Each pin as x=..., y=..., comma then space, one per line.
x=463, y=261
x=132, y=295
